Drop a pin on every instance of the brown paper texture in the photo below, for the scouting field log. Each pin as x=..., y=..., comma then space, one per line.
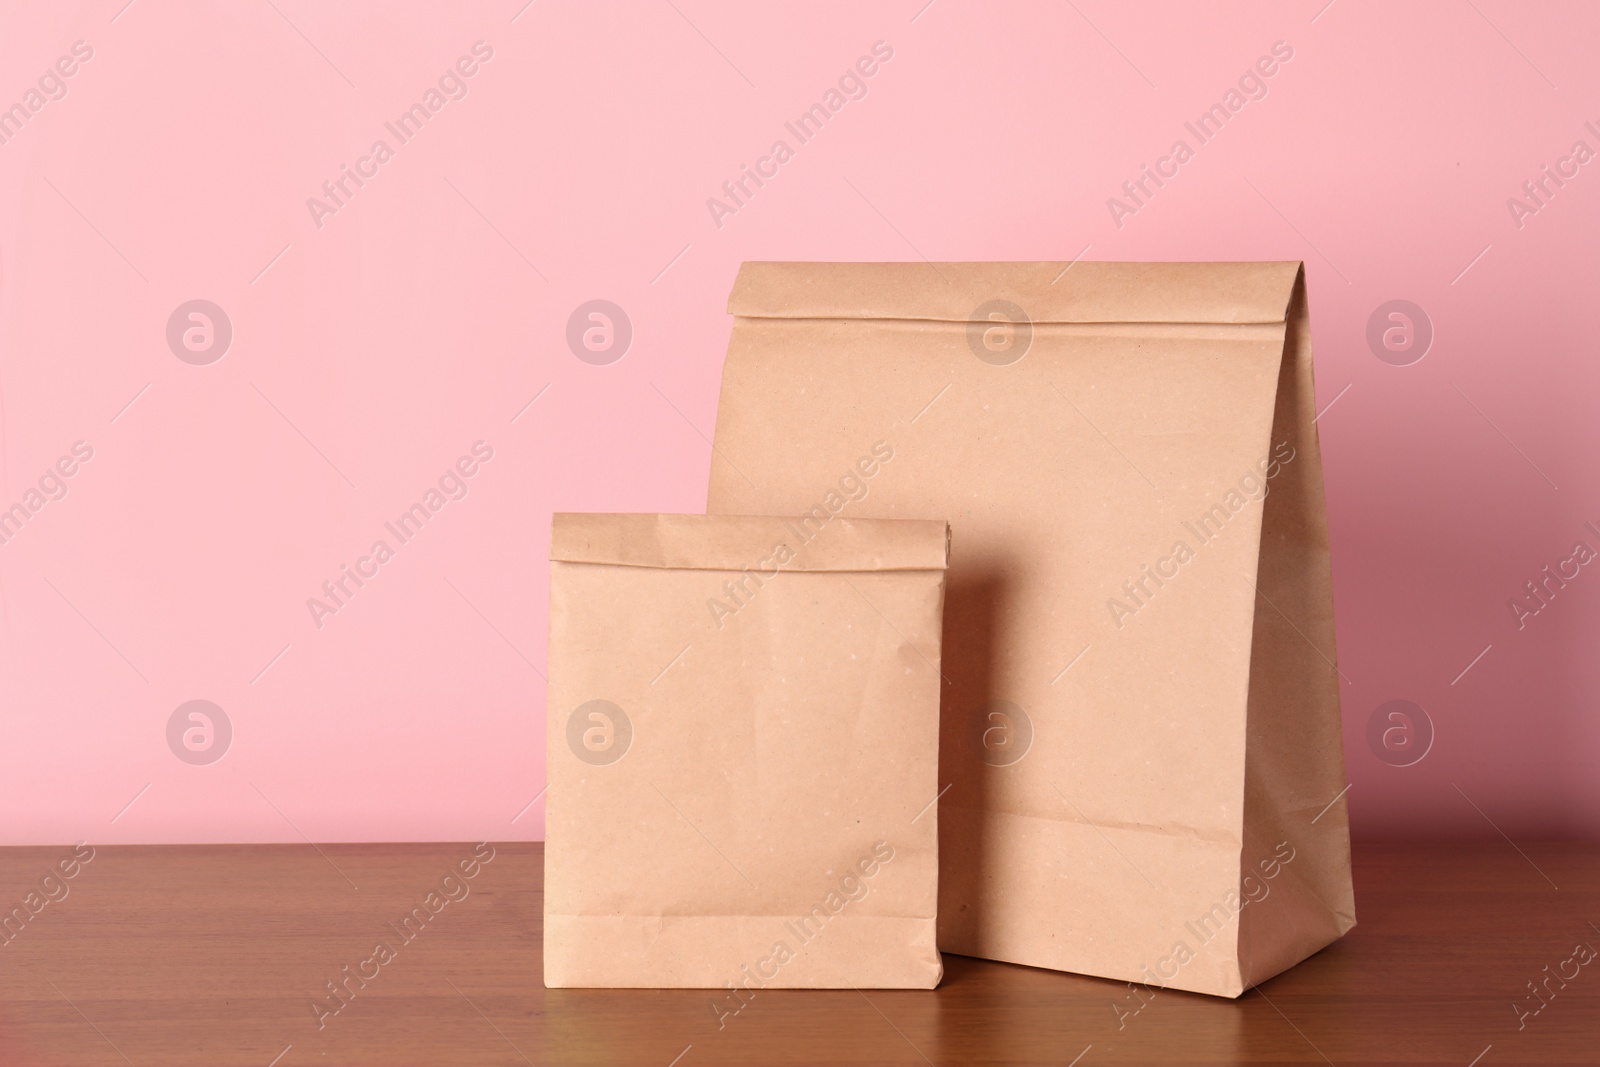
x=1141, y=731
x=742, y=751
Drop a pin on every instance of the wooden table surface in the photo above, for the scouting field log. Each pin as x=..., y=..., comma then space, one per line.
x=216, y=955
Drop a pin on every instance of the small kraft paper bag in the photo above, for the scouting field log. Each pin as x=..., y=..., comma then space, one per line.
x=743, y=738
x=1141, y=736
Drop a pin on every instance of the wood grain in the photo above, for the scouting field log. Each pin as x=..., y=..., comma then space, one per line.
x=214, y=955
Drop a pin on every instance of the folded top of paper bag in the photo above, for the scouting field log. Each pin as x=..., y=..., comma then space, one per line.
x=1082, y=292
x=735, y=542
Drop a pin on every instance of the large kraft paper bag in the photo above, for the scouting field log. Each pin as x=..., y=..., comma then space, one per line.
x=1141, y=736
x=743, y=753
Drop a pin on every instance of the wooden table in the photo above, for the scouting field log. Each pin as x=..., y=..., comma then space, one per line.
x=215, y=955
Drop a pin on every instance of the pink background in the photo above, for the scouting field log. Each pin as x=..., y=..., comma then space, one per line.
x=368, y=354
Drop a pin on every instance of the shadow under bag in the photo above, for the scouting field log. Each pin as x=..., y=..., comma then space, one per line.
x=1140, y=726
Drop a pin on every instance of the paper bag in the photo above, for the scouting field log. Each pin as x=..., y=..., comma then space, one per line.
x=743, y=753
x=1141, y=733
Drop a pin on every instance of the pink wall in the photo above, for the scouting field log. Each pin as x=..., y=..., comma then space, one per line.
x=374, y=346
